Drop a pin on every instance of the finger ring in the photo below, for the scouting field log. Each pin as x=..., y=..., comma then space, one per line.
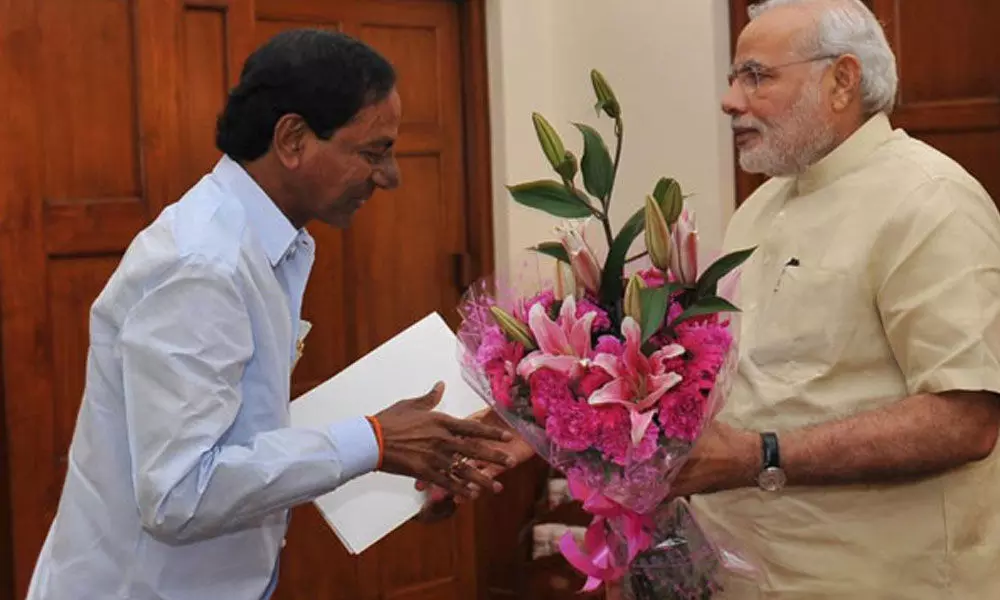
x=458, y=462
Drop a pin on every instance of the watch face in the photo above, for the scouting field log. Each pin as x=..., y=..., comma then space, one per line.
x=771, y=480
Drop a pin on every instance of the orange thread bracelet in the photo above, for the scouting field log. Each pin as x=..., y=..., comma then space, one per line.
x=378, y=436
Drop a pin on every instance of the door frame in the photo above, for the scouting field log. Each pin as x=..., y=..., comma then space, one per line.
x=6, y=535
x=476, y=120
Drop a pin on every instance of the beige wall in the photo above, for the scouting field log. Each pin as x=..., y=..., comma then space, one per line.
x=666, y=60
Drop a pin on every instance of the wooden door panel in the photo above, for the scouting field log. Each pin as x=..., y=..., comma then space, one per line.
x=72, y=286
x=93, y=163
x=216, y=37
x=328, y=305
x=103, y=111
x=393, y=266
x=205, y=78
x=949, y=92
x=946, y=52
x=110, y=109
x=421, y=276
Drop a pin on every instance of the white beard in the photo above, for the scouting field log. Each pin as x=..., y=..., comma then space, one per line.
x=792, y=143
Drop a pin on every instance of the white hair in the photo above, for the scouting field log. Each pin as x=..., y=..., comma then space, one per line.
x=849, y=27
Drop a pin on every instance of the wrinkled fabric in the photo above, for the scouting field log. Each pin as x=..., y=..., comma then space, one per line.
x=877, y=276
x=183, y=465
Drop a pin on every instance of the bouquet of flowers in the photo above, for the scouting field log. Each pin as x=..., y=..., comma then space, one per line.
x=613, y=381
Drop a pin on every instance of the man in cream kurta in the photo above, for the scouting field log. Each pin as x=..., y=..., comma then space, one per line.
x=871, y=304
x=869, y=339
x=875, y=278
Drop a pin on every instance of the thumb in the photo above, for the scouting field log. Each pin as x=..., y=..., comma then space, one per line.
x=432, y=398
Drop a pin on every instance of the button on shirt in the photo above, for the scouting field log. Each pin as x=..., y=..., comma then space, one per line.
x=183, y=465
x=877, y=276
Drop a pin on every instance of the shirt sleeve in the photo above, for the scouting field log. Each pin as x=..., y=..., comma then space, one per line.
x=937, y=277
x=184, y=348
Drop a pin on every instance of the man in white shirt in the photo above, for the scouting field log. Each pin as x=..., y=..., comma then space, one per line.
x=183, y=465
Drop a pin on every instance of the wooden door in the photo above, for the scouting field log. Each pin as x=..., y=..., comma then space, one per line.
x=109, y=116
x=949, y=88
x=394, y=265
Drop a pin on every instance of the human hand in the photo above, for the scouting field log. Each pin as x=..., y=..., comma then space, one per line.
x=723, y=458
x=435, y=447
x=441, y=503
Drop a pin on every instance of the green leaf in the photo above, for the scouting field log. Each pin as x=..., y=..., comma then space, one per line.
x=704, y=306
x=597, y=168
x=612, y=285
x=654, y=309
x=551, y=197
x=553, y=249
x=709, y=280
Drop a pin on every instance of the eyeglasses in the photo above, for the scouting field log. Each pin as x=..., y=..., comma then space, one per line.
x=751, y=74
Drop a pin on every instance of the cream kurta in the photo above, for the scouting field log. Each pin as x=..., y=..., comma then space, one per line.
x=877, y=276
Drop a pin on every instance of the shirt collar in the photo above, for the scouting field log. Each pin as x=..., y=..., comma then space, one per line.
x=275, y=232
x=846, y=157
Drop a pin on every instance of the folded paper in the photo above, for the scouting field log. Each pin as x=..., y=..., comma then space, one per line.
x=367, y=509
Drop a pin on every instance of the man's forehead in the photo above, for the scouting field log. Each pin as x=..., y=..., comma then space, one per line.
x=774, y=36
x=376, y=122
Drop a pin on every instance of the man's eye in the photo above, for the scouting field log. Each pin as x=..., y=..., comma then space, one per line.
x=373, y=157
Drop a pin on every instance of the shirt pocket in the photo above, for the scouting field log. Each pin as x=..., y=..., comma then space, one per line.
x=804, y=326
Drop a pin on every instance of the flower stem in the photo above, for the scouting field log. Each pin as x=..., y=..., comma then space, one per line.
x=571, y=186
x=606, y=201
x=619, y=135
x=636, y=257
x=606, y=222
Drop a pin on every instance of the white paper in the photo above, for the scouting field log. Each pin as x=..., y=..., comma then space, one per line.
x=365, y=510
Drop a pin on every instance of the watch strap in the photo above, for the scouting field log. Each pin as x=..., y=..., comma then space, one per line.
x=770, y=452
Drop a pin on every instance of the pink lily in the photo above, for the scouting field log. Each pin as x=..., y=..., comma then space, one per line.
x=586, y=269
x=564, y=344
x=639, y=382
x=684, y=255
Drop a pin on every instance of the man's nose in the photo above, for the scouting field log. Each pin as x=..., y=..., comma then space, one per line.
x=734, y=101
x=387, y=177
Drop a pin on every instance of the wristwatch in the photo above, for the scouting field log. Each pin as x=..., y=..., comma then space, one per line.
x=771, y=477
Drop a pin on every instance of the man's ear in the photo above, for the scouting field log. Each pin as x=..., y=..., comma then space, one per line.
x=846, y=74
x=290, y=134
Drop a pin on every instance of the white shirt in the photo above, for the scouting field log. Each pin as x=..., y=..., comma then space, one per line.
x=183, y=465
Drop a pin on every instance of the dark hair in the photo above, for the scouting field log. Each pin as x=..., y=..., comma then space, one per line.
x=325, y=77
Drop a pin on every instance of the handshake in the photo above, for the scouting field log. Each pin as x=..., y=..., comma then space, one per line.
x=460, y=457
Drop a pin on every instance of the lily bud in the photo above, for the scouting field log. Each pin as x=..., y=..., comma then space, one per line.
x=606, y=99
x=569, y=166
x=657, y=235
x=684, y=251
x=551, y=143
x=586, y=269
x=632, y=302
x=515, y=330
x=671, y=200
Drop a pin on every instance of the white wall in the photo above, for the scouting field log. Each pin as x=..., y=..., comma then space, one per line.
x=666, y=60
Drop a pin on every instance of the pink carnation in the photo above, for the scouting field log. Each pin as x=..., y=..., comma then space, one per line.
x=652, y=277
x=572, y=425
x=546, y=298
x=614, y=436
x=683, y=409
x=549, y=391
x=586, y=305
x=683, y=412
x=609, y=344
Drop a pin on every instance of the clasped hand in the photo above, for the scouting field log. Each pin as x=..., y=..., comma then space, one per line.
x=434, y=447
